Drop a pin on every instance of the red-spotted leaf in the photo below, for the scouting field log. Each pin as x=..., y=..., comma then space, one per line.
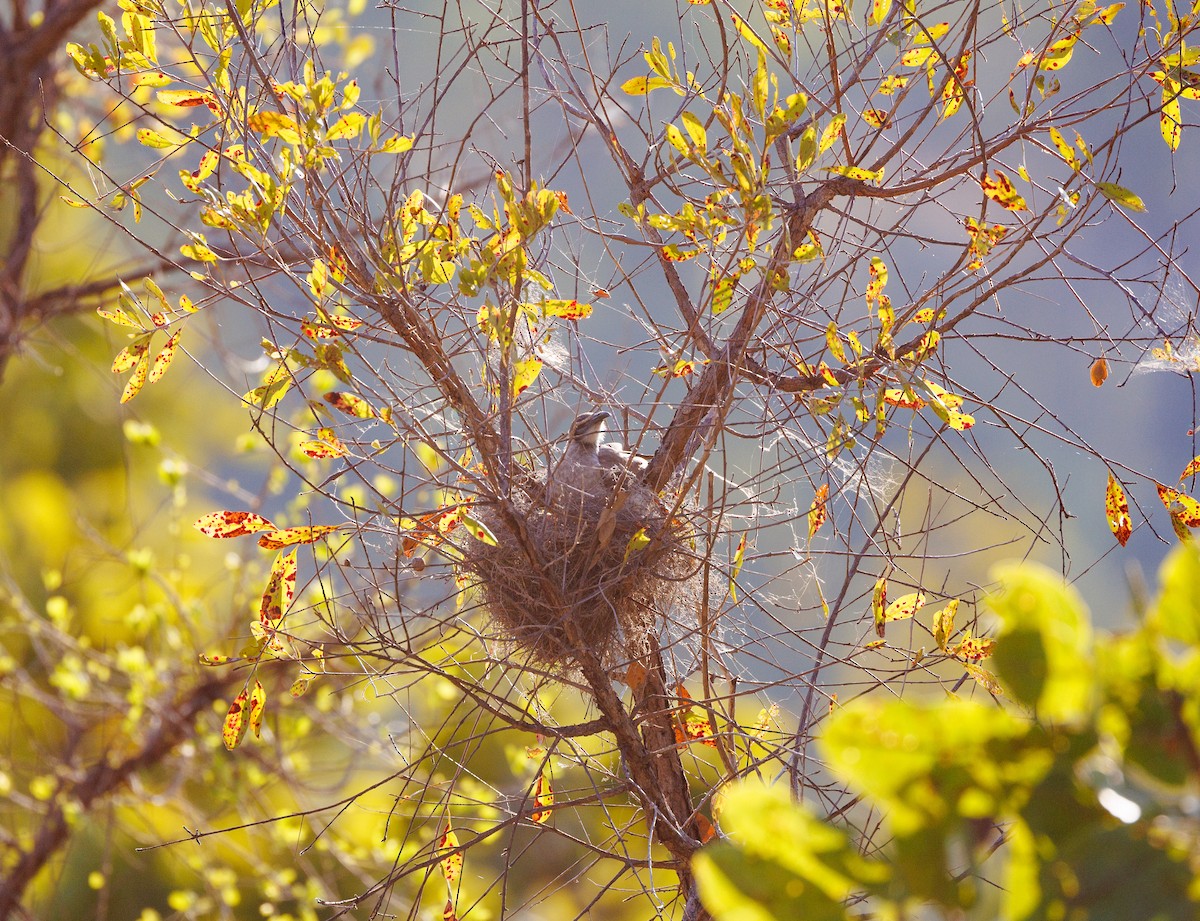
x=286, y=537
x=818, y=511
x=639, y=541
x=1191, y=469
x=477, y=529
x=137, y=379
x=351, y=405
x=973, y=648
x=186, y=98
x=452, y=864
x=543, y=799
x=1000, y=190
x=567, y=310
x=904, y=607
x=231, y=524
x=448, y=913
x=1116, y=509
x=131, y=354
x=211, y=659
x=329, y=445
x=281, y=589
x=258, y=703
x=164, y=358
x=234, y=728
x=1185, y=507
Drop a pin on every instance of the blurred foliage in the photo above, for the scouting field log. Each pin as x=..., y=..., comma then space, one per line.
x=1078, y=802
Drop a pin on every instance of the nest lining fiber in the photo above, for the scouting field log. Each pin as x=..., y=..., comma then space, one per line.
x=567, y=587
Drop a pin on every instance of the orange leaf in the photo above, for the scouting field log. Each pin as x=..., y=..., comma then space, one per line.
x=705, y=828
x=818, y=511
x=277, y=540
x=449, y=913
x=1099, y=371
x=231, y=524
x=543, y=799
x=234, y=729
x=1116, y=509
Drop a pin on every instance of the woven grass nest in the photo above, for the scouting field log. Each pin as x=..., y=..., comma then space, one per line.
x=584, y=575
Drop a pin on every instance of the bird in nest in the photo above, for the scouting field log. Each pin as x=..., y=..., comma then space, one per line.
x=590, y=468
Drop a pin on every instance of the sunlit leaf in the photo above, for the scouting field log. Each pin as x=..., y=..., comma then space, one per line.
x=280, y=590
x=1116, y=509
x=186, y=98
x=163, y=360
x=1098, y=372
x=739, y=557
x=231, y=524
x=477, y=529
x=973, y=648
x=1187, y=508
x=234, y=728
x=986, y=679
x=943, y=624
x=351, y=405
x=1120, y=195
x=904, y=607
x=543, y=799
x=258, y=703
x=818, y=512
x=452, y=864
x=639, y=541
x=1191, y=469
x=879, y=606
x=857, y=172
x=566, y=310
x=286, y=537
x=1000, y=190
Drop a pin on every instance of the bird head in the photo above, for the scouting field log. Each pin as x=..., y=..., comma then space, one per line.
x=588, y=429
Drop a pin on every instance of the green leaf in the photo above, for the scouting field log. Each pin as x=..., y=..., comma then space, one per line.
x=780, y=862
x=1044, y=644
x=1119, y=195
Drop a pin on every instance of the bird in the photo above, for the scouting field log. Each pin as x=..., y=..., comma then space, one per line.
x=589, y=468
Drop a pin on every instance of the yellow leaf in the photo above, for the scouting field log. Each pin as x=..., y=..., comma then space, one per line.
x=1000, y=190
x=234, y=728
x=904, y=607
x=1116, y=509
x=286, y=537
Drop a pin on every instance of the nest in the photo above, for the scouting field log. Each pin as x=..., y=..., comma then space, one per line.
x=585, y=577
